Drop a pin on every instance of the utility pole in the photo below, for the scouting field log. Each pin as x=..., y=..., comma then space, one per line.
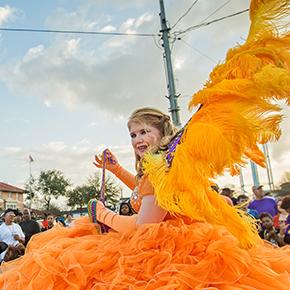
x=255, y=174
x=268, y=167
x=174, y=109
x=30, y=160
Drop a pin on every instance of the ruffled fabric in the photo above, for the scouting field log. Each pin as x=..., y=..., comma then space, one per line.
x=169, y=255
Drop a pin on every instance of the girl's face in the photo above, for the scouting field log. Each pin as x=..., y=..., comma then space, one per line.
x=143, y=136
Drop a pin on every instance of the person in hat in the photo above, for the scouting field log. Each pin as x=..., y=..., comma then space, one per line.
x=261, y=203
x=10, y=232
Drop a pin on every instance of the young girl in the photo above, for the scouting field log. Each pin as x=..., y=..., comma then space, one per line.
x=150, y=130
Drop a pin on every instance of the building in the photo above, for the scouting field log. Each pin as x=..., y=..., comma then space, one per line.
x=11, y=196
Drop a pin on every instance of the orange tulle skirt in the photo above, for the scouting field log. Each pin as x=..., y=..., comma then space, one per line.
x=169, y=255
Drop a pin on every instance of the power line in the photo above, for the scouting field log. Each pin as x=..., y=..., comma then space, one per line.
x=215, y=11
x=175, y=34
x=200, y=52
x=157, y=43
x=210, y=22
x=76, y=32
x=186, y=12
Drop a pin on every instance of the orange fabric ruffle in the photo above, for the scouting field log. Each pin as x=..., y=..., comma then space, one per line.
x=169, y=255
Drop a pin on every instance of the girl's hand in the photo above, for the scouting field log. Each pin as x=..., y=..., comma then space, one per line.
x=112, y=163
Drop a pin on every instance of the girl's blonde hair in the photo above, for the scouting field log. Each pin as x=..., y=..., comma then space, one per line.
x=158, y=120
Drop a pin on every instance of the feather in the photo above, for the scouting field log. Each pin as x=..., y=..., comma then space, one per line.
x=238, y=113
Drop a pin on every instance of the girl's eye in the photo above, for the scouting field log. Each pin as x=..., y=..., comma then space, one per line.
x=133, y=135
x=143, y=131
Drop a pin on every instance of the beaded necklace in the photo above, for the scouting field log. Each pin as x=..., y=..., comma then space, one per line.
x=92, y=204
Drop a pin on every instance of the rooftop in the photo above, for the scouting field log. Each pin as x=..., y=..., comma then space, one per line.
x=10, y=188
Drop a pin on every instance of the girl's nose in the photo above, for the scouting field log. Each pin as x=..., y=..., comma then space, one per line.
x=139, y=139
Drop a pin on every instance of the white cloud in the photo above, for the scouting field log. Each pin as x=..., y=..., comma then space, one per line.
x=72, y=46
x=178, y=63
x=6, y=13
x=86, y=18
x=146, y=17
x=127, y=24
x=47, y=103
x=108, y=28
x=13, y=150
x=34, y=52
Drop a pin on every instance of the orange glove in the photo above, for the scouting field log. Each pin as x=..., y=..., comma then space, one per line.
x=118, y=223
x=113, y=166
x=149, y=211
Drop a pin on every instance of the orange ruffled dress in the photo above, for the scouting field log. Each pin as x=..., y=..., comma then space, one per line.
x=174, y=254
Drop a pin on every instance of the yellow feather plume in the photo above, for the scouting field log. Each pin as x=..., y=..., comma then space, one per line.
x=237, y=114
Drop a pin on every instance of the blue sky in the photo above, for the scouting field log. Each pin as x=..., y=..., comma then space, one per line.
x=65, y=97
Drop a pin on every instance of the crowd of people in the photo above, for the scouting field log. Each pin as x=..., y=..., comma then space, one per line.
x=272, y=214
x=18, y=227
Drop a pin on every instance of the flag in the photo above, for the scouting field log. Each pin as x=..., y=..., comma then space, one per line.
x=30, y=158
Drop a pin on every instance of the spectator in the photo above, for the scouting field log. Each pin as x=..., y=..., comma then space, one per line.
x=10, y=232
x=286, y=206
x=268, y=231
x=242, y=202
x=69, y=220
x=33, y=216
x=229, y=193
x=50, y=222
x=263, y=204
x=29, y=226
x=281, y=217
x=45, y=222
x=60, y=219
x=125, y=208
x=215, y=187
x=18, y=217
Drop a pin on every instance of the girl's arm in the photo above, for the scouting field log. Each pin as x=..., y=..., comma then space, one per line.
x=149, y=212
x=125, y=176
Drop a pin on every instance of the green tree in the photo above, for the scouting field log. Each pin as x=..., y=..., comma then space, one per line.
x=51, y=183
x=54, y=209
x=30, y=189
x=112, y=193
x=77, y=197
x=80, y=196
